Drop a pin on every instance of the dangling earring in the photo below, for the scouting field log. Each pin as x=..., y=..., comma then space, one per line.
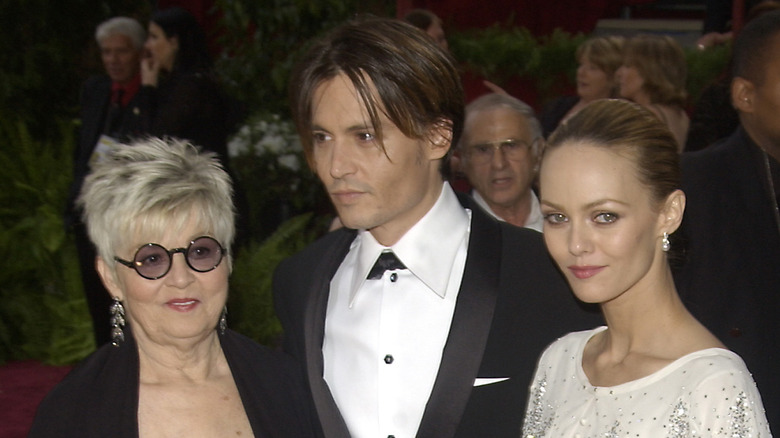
x=223, y=321
x=665, y=244
x=117, y=322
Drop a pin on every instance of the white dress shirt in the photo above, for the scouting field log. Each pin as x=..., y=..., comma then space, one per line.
x=535, y=219
x=384, y=338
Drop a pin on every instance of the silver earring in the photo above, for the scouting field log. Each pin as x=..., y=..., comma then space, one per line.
x=665, y=244
x=117, y=322
x=223, y=321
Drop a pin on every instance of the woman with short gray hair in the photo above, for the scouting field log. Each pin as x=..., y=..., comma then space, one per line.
x=172, y=368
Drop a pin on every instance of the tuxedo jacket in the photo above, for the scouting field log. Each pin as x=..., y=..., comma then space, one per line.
x=730, y=278
x=95, y=100
x=512, y=303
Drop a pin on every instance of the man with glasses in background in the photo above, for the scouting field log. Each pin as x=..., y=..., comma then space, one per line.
x=499, y=153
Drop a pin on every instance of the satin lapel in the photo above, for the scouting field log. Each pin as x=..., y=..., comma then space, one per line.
x=333, y=424
x=469, y=331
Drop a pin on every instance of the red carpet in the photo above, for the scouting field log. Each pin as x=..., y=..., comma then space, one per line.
x=22, y=386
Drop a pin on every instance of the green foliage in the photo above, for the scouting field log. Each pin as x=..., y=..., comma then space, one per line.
x=704, y=66
x=496, y=53
x=44, y=312
x=554, y=73
x=501, y=54
x=250, y=304
x=265, y=38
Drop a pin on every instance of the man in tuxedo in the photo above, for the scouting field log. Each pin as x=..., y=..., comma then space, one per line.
x=730, y=279
x=499, y=153
x=108, y=114
x=422, y=316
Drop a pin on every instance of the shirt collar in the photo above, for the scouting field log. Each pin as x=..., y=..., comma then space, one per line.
x=535, y=220
x=129, y=89
x=441, y=232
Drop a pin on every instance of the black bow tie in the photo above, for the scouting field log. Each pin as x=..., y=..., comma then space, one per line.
x=386, y=261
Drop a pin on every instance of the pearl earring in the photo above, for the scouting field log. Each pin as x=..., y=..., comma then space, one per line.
x=665, y=244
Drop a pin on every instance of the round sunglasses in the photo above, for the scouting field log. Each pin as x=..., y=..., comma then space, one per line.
x=153, y=261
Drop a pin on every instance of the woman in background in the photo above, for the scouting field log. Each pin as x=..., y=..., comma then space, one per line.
x=161, y=217
x=610, y=196
x=180, y=91
x=181, y=97
x=598, y=59
x=653, y=75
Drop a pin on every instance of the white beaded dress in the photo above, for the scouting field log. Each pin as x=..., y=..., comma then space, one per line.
x=708, y=393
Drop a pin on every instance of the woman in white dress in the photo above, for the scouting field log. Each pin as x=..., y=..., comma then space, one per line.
x=609, y=193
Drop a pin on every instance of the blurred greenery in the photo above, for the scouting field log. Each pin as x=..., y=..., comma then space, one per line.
x=504, y=54
x=48, y=50
x=263, y=39
x=44, y=310
x=250, y=302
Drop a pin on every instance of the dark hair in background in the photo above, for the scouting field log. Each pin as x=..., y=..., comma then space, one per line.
x=751, y=48
x=396, y=69
x=420, y=18
x=193, y=54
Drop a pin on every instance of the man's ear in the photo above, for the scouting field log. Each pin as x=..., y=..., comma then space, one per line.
x=672, y=212
x=439, y=139
x=537, y=148
x=742, y=95
x=109, y=278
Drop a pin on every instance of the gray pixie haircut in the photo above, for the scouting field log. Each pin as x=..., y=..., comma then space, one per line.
x=126, y=26
x=150, y=187
x=498, y=100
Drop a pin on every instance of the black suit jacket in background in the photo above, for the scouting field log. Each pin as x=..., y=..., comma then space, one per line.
x=95, y=100
x=730, y=279
x=512, y=303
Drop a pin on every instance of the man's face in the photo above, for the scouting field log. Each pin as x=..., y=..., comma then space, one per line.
x=120, y=59
x=385, y=192
x=502, y=178
x=765, y=116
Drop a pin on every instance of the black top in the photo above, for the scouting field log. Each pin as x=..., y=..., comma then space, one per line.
x=554, y=112
x=730, y=279
x=99, y=398
x=95, y=101
x=713, y=117
x=189, y=106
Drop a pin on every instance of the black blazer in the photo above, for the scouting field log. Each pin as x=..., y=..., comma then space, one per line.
x=730, y=279
x=94, y=101
x=512, y=303
x=99, y=398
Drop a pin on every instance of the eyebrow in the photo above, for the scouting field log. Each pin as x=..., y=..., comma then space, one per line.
x=596, y=203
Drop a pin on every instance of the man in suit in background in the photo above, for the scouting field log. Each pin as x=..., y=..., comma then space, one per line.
x=731, y=278
x=500, y=151
x=423, y=316
x=108, y=115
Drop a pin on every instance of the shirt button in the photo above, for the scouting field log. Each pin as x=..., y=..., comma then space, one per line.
x=393, y=277
x=389, y=359
x=584, y=422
